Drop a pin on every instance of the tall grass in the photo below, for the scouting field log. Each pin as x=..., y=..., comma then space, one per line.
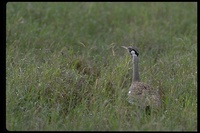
x=65, y=69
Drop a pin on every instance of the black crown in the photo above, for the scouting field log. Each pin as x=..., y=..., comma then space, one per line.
x=130, y=48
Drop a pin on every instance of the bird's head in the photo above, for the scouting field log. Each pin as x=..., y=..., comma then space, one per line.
x=132, y=50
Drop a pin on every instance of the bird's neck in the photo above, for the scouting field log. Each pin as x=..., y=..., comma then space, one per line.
x=136, y=76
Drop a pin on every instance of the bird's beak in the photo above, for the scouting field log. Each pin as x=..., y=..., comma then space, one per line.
x=124, y=47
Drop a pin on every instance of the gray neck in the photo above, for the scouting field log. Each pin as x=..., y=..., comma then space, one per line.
x=136, y=76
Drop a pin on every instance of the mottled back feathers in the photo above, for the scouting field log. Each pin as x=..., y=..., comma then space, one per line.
x=143, y=95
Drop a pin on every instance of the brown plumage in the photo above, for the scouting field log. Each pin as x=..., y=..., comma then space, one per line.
x=141, y=94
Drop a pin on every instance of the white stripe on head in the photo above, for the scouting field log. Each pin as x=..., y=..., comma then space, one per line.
x=133, y=53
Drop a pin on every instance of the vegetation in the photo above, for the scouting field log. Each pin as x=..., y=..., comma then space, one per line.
x=66, y=70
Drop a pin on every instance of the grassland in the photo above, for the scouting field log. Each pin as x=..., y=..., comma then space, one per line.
x=66, y=71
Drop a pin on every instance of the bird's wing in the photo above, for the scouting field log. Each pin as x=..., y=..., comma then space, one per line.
x=143, y=94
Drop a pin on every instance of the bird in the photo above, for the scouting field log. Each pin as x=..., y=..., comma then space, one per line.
x=141, y=94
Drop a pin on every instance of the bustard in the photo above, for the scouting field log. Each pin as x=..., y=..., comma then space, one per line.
x=140, y=93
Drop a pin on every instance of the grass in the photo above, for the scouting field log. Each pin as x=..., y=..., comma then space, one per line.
x=66, y=71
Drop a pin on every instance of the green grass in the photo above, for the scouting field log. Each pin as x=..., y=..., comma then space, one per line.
x=65, y=69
